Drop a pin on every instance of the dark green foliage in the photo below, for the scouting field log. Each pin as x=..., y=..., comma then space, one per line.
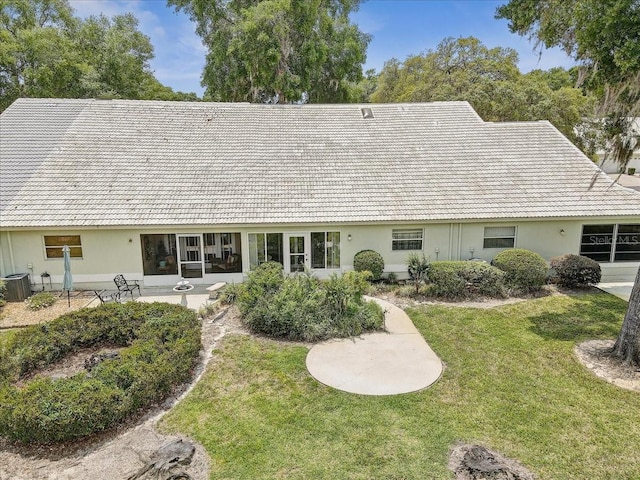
x=525, y=270
x=604, y=38
x=464, y=279
x=418, y=268
x=55, y=410
x=278, y=50
x=369, y=261
x=301, y=307
x=489, y=79
x=160, y=346
x=3, y=290
x=265, y=281
x=49, y=52
x=576, y=270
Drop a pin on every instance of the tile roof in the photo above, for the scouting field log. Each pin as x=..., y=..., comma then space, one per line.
x=115, y=163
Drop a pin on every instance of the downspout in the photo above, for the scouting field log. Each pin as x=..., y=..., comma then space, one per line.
x=450, y=254
x=11, y=259
x=455, y=241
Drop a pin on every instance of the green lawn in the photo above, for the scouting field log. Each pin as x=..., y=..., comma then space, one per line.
x=6, y=334
x=511, y=383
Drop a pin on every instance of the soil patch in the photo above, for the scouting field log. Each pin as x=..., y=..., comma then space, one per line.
x=595, y=355
x=474, y=462
x=16, y=314
x=69, y=365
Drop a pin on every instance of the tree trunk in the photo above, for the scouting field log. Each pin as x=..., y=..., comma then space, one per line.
x=627, y=346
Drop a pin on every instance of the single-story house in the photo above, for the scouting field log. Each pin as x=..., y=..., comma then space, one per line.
x=160, y=191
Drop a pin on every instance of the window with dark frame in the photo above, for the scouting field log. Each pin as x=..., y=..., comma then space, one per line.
x=53, y=245
x=611, y=242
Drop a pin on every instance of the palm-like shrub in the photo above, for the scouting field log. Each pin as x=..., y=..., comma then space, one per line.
x=418, y=269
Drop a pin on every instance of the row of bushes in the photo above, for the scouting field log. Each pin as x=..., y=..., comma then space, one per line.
x=160, y=344
x=515, y=270
x=300, y=307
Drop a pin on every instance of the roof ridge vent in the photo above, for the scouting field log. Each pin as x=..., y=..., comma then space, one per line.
x=366, y=113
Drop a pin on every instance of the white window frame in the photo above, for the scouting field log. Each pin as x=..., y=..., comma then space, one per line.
x=326, y=247
x=486, y=237
x=399, y=231
x=264, y=248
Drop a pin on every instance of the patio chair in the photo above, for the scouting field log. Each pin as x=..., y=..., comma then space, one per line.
x=125, y=286
x=105, y=297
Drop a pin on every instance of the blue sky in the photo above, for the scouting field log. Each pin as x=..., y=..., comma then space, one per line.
x=399, y=28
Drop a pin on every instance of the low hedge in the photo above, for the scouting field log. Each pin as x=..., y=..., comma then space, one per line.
x=576, y=271
x=160, y=344
x=524, y=270
x=465, y=279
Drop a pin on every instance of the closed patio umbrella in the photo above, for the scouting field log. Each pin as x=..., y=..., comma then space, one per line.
x=67, y=280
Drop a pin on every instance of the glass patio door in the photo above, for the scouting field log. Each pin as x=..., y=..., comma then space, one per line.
x=190, y=258
x=297, y=246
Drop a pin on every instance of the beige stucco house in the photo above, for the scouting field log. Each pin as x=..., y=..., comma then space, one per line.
x=158, y=191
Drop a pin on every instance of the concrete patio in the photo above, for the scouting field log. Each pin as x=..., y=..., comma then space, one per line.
x=619, y=289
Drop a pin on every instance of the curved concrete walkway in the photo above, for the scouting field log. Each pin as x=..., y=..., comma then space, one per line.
x=397, y=361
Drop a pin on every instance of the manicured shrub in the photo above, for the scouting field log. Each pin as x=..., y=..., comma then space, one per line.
x=464, y=279
x=524, y=270
x=576, y=270
x=40, y=300
x=160, y=344
x=369, y=261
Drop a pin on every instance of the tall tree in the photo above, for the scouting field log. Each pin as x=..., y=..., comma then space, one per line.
x=604, y=36
x=278, y=50
x=45, y=51
x=465, y=69
x=35, y=48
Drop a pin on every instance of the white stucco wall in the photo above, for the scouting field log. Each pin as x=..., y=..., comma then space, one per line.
x=609, y=166
x=109, y=252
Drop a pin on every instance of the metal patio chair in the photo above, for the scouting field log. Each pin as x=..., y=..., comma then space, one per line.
x=125, y=286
